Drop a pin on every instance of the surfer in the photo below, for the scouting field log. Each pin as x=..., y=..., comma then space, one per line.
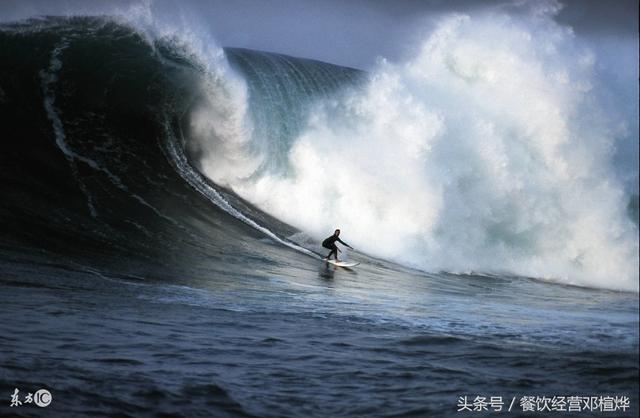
x=330, y=244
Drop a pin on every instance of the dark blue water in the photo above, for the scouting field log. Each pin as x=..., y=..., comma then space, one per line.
x=295, y=338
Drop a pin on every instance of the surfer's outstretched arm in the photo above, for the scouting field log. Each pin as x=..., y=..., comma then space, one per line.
x=344, y=243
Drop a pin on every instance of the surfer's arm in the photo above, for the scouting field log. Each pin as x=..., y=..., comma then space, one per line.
x=344, y=243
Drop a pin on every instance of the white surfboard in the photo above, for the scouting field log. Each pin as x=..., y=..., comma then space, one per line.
x=342, y=263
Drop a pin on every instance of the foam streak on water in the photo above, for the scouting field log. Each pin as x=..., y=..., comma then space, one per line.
x=49, y=78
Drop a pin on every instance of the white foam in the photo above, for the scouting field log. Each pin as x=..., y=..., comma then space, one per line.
x=486, y=151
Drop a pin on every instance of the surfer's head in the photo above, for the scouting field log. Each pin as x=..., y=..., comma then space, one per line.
x=337, y=232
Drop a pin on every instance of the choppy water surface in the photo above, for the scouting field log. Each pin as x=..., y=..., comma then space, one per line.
x=299, y=339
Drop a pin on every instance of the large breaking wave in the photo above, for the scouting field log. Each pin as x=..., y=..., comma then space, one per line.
x=485, y=151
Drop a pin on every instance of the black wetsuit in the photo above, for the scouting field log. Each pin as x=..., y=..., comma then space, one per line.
x=330, y=243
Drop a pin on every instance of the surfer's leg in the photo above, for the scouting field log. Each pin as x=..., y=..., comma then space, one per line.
x=334, y=250
x=330, y=252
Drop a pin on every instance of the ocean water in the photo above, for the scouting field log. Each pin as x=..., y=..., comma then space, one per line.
x=297, y=338
x=162, y=208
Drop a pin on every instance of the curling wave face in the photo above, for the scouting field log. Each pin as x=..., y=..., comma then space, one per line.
x=92, y=166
